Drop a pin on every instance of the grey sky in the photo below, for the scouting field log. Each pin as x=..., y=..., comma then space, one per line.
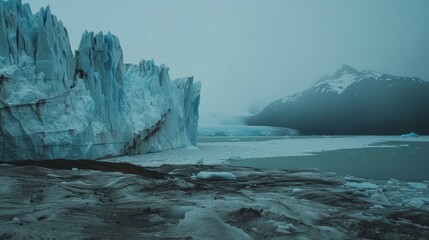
x=249, y=52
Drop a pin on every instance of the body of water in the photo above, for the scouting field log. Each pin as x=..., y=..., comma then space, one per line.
x=406, y=161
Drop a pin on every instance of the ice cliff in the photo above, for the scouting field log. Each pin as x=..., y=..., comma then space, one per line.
x=90, y=105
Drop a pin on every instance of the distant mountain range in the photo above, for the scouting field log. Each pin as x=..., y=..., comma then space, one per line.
x=352, y=102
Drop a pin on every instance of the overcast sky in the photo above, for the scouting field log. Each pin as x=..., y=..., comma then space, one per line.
x=250, y=52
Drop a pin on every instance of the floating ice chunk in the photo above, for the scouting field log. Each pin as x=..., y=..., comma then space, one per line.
x=412, y=134
x=378, y=206
x=192, y=148
x=16, y=220
x=75, y=169
x=216, y=176
x=393, y=181
x=361, y=185
x=296, y=190
x=235, y=158
x=417, y=185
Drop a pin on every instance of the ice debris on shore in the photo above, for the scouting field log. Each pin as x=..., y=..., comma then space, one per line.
x=270, y=204
x=217, y=176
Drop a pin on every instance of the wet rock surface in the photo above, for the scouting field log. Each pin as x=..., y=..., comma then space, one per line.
x=40, y=203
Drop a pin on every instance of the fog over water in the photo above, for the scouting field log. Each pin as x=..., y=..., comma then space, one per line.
x=248, y=53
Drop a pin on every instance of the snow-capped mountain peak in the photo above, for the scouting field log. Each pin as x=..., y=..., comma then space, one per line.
x=336, y=85
x=353, y=102
x=347, y=75
x=344, y=70
x=338, y=82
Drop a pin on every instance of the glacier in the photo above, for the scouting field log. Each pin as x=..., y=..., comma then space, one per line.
x=88, y=105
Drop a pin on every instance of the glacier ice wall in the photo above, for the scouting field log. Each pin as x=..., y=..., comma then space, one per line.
x=55, y=105
x=164, y=112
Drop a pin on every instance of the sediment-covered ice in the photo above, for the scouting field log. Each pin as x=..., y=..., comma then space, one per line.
x=260, y=204
x=56, y=105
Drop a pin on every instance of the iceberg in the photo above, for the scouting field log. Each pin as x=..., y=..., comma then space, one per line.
x=410, y=135
x=89, y=105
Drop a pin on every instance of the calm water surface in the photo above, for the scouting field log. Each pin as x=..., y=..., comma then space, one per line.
x=407, y=161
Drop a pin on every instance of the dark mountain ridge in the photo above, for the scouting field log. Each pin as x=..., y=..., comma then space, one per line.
x=352, y=102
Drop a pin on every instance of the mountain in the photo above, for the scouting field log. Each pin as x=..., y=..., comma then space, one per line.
x=353, y=102
x=55, y=104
